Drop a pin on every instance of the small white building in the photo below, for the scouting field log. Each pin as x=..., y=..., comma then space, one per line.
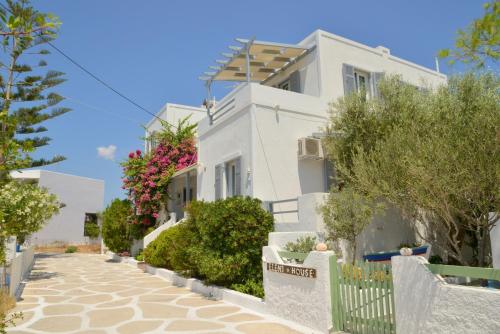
x=263, y=138
x=82, y=199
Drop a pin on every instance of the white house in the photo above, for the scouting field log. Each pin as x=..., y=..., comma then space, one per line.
x=262, y=138
x=82, y=199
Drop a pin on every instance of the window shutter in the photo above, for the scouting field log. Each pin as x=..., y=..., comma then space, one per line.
x=218, y=181
x=349, y=82
x=295, y=82
x=375, y=78
x=237, y=177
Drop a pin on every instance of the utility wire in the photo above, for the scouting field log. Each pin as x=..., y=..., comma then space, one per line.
x=95, y=77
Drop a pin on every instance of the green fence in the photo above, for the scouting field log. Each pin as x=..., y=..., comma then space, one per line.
x=362, y=297
x=471, y=272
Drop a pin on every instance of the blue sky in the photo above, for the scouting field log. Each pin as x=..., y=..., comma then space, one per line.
x=153, y=51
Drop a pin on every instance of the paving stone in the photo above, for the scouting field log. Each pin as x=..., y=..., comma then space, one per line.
x=119, y=302
x=216, y=311
x=241, y=317
x=93, y=299
x=139, y=326
x=157, y=298
x=160, y=311
x=192, y=325
x=265, y=327
x=62, y=309
x=59, y=324
x=55, y=299
x=197, y=301
x=109, y=317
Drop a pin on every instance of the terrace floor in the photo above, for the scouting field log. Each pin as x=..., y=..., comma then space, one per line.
x=84, y=293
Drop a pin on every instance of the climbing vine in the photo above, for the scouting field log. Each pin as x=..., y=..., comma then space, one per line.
x=147, y=176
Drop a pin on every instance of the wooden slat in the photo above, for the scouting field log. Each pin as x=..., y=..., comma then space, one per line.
x=387, y=300
x=393, y=309
x=335, y=293
x=472, y=272
x=343, y=296
x=369, y=290
x=364, y=302
x=375, y=325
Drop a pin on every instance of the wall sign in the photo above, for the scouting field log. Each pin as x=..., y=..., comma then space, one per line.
x=291, y=270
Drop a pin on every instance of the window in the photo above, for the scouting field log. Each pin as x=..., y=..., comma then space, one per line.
x=91, y=226
x=361, y=81
x=231, y=179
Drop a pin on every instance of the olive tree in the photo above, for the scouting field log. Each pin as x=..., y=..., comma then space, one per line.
x=433, y=153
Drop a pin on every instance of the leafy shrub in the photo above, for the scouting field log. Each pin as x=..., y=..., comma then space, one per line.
x=221, y=242
x=170, y=250
x=250, y=287
x=231, y=234
x=302, y=245
x=117, y=229
x=71, y=249
x=140, y=255
x=91, y=230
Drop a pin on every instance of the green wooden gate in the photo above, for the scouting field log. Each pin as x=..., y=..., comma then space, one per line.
x=362, y=297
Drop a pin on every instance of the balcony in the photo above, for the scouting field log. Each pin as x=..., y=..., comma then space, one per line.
x=247, y=94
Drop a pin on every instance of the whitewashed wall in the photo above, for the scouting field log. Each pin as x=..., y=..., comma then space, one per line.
x=79, y=194
x=173, y=113
x=336, y=50
x=424, y=303
x=303, y=300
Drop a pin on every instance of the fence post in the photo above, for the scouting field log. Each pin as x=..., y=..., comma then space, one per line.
x=335, y=293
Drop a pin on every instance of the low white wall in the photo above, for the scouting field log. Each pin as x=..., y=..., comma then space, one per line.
x=304, y=300
x=495, y=245
x=19, y=268
x=137, y=245
x=424, y=303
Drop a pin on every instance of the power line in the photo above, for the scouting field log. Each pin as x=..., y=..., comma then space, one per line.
x=95, y=77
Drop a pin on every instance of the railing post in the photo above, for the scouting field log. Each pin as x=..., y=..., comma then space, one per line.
x=335, y=293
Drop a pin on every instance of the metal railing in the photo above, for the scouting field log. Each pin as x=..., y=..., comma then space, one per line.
x=271, y=205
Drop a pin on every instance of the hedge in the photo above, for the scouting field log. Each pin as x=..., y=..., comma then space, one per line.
x=221, y=243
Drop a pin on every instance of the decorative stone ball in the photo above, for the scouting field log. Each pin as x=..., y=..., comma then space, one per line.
x=321, y=247
x=406, y=251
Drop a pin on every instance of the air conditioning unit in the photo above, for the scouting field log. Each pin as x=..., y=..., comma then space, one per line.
x=310, y=148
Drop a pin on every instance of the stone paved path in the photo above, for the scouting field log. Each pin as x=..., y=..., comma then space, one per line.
x=83, y=293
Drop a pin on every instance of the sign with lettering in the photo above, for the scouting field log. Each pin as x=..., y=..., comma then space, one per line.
x=291, y=270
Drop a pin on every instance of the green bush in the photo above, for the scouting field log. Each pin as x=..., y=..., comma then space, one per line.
x=91, y=230
x=250, y=287
x=116, y=226
x=221, y=242
x=71, y=249
x=170, y=250
x=140, y=255
x=302, y=245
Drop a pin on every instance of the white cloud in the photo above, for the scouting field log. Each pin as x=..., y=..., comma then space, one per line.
x=107, y=153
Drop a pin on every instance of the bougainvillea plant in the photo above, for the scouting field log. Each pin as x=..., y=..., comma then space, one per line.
x=147, y=176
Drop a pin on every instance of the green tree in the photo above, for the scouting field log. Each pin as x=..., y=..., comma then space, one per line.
x=433, y=153
x=117, y=230
x=346, y=214
x=25, y=89
x=24, y=208
x=480, y=41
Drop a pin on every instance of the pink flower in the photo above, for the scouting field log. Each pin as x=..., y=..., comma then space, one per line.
x=131, y=155
x=138, y=152
x=151, y=184
x=155, y=215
